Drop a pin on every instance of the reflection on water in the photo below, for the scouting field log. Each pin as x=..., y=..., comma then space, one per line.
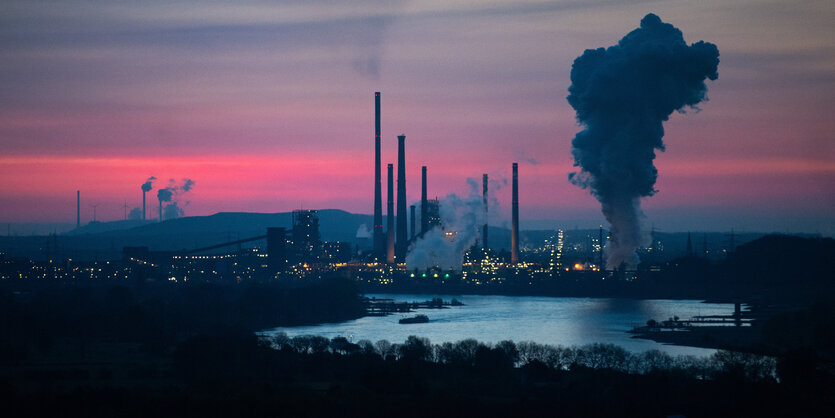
x=545, y=320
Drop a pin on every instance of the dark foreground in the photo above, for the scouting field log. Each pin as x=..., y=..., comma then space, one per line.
x=312, y=376
x=88, y=349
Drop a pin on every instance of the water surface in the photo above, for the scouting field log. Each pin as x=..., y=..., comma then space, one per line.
x=545, y=320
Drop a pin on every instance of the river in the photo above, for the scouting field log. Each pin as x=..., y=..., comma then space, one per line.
x=545, y=320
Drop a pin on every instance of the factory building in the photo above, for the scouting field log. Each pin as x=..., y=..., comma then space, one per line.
x=306, y=241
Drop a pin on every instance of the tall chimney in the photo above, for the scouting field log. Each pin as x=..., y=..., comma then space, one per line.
x=390, y=214
x=379, y=237
x=514, y=236
x=143, y=204
x=484, y=197
x=402, y=233
x=78, y=208
x=160, y=210
x=424, y=223
x=412, y=235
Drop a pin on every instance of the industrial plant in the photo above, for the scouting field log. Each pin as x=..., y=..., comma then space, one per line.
x=415, y=246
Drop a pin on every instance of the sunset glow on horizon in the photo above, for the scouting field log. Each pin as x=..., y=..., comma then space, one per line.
x=269, y=107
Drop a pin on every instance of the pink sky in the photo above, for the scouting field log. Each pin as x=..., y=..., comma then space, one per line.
x=269, y=108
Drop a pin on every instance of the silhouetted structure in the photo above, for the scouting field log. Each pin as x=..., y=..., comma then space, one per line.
x=412, y=235
x=277, y=249
x=307, y=243
x=402, y=234
x=433, y=214
x=379, y=237
x=484, y=197
x=514, y=235
x=336, y=252
x=78, y=208
x=424, y=221
x=390, y=215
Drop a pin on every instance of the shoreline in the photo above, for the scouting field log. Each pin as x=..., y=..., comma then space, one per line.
x=741, y=339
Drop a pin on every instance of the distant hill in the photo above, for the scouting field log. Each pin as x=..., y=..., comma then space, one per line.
x=105, y=240
x=199, y=231
x=98, y=227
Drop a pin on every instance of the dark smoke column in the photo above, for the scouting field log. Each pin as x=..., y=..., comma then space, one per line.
x=622, y=94
x=390, y=217
x=514, y=234
x=402, y=234
x=379, y=237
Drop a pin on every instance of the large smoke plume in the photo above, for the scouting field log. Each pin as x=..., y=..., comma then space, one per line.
x=463, y=217
x=622, y=94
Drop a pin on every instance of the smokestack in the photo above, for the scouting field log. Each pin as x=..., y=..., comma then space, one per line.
x=146, y=187
x=402, y=233
x=412, y=236
x=424, y=223
x=160, y=210
x=484, y=228
x=78, y=208
x=514, y=236
x=390, y=214
x=379, y=238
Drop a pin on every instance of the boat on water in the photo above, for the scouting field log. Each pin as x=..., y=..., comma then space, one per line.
x=417, y=319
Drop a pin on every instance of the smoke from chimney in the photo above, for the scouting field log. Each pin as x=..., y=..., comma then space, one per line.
x=165, y=195
x=622, y=94
x=462, y=218
x=146, y=187
x=172, y=194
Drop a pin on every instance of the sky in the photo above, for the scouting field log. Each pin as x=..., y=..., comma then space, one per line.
x=269, y=107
